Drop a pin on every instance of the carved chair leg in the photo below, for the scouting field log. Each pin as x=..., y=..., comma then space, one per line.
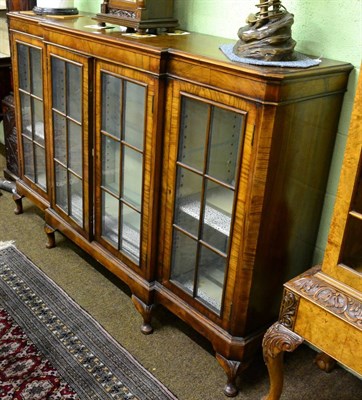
x=146, y=312
x=232, y=369
x=50, y=235
x=325, y=362
x=277, y=340
x=18, y=203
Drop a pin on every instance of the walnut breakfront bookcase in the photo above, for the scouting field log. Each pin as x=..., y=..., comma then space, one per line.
x=197, y=181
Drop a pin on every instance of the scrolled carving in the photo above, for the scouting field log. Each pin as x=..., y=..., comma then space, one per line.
x=288, y=309
x=277, y=339
x=122, y=13
x=331, y=298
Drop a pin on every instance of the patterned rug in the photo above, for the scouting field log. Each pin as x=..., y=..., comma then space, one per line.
x=50, y=348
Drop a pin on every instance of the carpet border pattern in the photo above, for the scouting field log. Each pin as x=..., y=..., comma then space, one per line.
x=85, y=355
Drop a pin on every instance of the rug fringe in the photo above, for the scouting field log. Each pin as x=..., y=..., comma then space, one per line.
x=4, y=245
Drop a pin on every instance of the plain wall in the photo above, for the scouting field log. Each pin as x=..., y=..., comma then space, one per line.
x=322, y=28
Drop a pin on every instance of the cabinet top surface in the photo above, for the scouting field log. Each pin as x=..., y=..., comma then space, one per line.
x=194, y=46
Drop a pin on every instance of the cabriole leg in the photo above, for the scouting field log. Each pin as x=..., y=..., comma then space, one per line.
x=277, y=340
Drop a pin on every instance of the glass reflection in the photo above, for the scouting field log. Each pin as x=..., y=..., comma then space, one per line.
x=76, y=198
x=58, y=82
x=110, y=164
x=36, y=72
x=40, y=166
x=211, y=275
x=130, y=232
x=110, y=217
x=193, y=133
x=224, y=145
x=60, y=137
x=23, y=67
x=111, y=105
x=38, y=121
x=188, y=200
x=61, y=187
x=74, y=92
x=132, y=177
x=75, y=159
x=26, y=117
x=183, y=260
x=134, y=114
x=28, y=159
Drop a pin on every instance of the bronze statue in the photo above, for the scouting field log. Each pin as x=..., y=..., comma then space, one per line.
x=268, y=35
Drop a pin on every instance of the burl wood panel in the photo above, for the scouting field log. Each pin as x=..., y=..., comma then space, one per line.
x=330, y=334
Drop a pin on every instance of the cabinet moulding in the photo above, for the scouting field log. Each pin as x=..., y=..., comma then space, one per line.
x=329, y=298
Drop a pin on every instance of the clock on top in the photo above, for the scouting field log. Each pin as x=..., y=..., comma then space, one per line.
x=139, y=15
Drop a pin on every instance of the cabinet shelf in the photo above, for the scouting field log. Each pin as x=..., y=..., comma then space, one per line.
x=356, y=214
x=215, y=215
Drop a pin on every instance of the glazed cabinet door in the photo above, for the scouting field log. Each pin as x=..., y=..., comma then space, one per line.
x=343, y=256
x=208, y=151
x=29, y=89
x=70, y=82
x=126, y=164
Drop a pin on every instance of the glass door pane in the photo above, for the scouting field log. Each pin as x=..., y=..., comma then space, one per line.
x=110, y=218
x=32, y=113
x=111, y=164
x=28, y=154
x=36, y=76
x=40, y=176
x=24, y=67
x=210, y=278
x=207, y=166
x=61, y=195
x=184, y=260
x=68, y=137
x=216, y=221
x=37, y=108
x=111, y=104
x=134, y=114
x=130, y=232
x=132, y=177
x=122, y=140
